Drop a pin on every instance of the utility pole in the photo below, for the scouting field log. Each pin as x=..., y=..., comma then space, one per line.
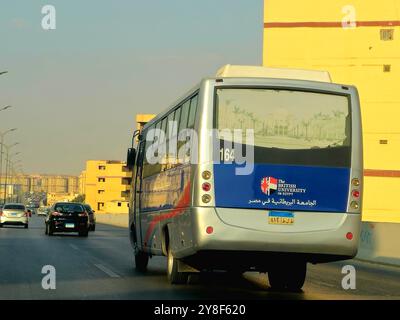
x=1, y=150
x=13, y=174
x=6, y=176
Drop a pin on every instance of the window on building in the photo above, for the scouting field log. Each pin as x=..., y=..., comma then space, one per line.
x=119, y=204
x=101, y=179
x=387, y=34
x=100, y=205
x=102, y=167
x=100, y=191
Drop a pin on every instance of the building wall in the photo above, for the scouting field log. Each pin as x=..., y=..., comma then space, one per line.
x=117, y=207
x=142, y=119
x=309, y=34
x=106, y=182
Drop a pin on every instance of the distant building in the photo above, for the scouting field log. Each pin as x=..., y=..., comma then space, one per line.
x=19, y=184
x=106, y=185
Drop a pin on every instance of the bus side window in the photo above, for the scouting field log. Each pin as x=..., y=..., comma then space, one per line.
x=184, y=116
x=176, y=133
x=147, y=144
x=170, y=120
x=193, y=110
x=183, y=125
x=191, y=124
x=139, y=165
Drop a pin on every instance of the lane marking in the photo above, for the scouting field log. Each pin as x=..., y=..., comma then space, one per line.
x=73, y=246
x=107, y=271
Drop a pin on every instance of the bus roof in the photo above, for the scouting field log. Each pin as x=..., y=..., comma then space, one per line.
x=235, y=71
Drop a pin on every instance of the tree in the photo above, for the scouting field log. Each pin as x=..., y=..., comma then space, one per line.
x=79, y=198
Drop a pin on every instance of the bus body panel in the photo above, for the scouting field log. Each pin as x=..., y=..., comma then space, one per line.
x=238, y=228
x=329, y=240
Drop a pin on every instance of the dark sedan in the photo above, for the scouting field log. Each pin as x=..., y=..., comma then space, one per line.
x=92, y=217
x=67, y=217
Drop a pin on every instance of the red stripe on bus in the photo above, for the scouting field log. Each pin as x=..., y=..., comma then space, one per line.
x=382, y=173
x=178, y=210
x=330, y=24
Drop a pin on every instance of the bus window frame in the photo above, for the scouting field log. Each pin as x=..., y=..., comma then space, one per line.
x=287, y=88
x=138, y=181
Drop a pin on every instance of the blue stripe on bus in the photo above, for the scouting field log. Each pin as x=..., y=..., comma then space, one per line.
x=300, y=188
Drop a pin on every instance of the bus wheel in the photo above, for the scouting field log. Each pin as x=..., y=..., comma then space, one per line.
x=288, y=277
x=174, y=276
x=141, y=261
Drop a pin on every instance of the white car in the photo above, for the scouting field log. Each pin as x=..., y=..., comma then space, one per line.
x=42, y=211
x=14, y=214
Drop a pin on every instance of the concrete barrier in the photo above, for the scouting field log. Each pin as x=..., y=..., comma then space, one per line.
x=115, y=219
x=380, y=242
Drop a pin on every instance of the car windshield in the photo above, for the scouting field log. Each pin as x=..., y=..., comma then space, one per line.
x=69, y=208
x=14, y=207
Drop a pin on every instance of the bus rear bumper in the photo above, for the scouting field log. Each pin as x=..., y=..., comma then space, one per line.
x=325, y=243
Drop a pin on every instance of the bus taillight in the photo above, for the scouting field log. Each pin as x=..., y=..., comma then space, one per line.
x=206, y=175
x=355, y=182
x=354, y=205
x=349, y=236
x=206, y=198
x=209, y=230
x=206, y=186
x=355, y=193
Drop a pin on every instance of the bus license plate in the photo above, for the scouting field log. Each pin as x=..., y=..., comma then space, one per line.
x=279, y=217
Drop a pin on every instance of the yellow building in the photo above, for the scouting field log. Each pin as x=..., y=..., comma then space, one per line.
x=142, y=119
x=106, y=185
x=358, y=42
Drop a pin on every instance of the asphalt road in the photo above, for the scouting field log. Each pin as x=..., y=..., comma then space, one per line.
x=101, y=267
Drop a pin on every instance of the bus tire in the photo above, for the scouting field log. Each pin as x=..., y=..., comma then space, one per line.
x=288, y=277
x=174, y=276
x=141, y=261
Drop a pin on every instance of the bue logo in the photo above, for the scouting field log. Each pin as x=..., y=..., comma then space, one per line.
x=269, y=185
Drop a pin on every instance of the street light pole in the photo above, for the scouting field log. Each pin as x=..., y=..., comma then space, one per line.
x=6, y=176
x=1, y=150
x=11, y=169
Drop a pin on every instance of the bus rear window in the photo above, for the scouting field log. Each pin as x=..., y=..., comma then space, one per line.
x=292, y=127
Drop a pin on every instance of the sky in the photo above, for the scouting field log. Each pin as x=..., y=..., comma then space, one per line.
x=75, y=90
